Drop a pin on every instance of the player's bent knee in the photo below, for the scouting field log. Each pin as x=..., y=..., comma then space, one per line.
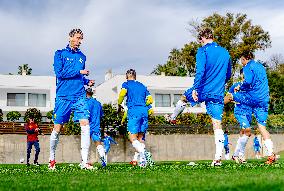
x=84, y=122
x=247, y=132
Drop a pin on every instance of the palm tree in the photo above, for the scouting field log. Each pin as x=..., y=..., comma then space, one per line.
x=24, y=70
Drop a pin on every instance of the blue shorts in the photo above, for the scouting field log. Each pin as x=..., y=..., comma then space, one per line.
x=137, y=119
x=214, y=107
x=107, y=148
x=95, y=133
x=259, y=110
x=64, y=107
x=243, y=114
x=256, y=149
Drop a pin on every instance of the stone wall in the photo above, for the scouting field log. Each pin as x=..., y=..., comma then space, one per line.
x=163, y=147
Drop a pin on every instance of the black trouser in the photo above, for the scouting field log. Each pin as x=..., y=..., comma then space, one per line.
x=29, y=149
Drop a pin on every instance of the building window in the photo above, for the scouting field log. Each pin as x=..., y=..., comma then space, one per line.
x=162, y=100
x=15, y=99
x=176, y=98
x=37, y=100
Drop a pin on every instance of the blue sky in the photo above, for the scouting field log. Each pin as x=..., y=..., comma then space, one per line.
x=119, y=34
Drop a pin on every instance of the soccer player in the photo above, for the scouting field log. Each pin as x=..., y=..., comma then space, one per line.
x=256, y=147
x=108, y=140
x=69, y=68
x=213, y=71
x=96, y=113
x=226, y=145
x=32, y=130
x=254, y=93
x=138, y=97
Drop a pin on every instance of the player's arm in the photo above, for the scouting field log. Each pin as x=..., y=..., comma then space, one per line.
x=149, y=98
x=200, y=68
x=122, y=94
x=248, y=78
x=59, y=69
x=229, y=71
x=124, y=117
x=28, y=130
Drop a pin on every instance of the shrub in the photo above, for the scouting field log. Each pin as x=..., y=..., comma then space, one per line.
x=13, y=116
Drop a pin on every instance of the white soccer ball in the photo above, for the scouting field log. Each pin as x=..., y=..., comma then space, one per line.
x=22, y=160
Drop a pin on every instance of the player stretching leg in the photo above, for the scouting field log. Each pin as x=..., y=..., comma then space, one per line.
x=69, y=67
x=108, y=140
x=213, y=70
x=254, y=92
x=138, y=97
x=96, y=113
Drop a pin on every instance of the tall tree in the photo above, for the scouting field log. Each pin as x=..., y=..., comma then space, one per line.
x=24, y=70
x=233, y=31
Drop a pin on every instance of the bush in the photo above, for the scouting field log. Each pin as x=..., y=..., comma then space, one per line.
x=275, y=121
x=72, y=128
x=33, y=113
x=49, y=116
x=13, y=116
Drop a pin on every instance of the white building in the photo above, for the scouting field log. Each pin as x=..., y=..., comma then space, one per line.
x=21, y=92
x=165, y=90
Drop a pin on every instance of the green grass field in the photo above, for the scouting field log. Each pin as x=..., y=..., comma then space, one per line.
x=254, y=175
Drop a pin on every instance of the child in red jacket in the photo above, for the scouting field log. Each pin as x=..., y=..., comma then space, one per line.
x=32, y=130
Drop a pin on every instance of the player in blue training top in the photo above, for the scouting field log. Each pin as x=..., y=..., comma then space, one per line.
x=69, y=68
x=213, y=71
x=138, y=97
x=254, y=93
x=96, y=113
x=256, y=147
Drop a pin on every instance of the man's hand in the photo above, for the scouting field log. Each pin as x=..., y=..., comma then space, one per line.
x=236, y=89
x=228, y=98
x=195, y=95
x=119, y=109
x=91, y=83
x=85, y=72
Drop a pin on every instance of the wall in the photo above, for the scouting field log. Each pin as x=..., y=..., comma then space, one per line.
x=163, y=147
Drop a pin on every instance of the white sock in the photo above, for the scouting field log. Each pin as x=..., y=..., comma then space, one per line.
x=243, y=143
x=135, y=157
x=101, y=151
x=141, y=149
x=238, y=147
x=269, y=146
x=180, y=106
x=219, y=142
x=85, y=143
x=54, y=139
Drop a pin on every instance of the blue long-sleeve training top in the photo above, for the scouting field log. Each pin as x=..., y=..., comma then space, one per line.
x=67, y=66
x=136, y=93
x=255, y=82
x=213, y=70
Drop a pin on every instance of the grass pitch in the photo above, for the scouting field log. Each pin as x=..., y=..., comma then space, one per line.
x=254, y=175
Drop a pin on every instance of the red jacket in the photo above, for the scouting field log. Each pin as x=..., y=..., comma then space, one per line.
x=32, y=135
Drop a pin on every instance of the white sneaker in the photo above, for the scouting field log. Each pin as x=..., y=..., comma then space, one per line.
x=242, y=159
x=236, y=159
x=51, y=165
x=227, y=156
x=87, y=166
x=216, y=163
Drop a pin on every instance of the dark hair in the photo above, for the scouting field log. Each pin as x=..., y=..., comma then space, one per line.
x=131, y=72
x=248, y=55
x=206, y=33
x=75, y=31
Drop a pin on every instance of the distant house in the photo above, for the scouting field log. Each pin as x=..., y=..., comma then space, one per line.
x=166, y=91
x=20, y=92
